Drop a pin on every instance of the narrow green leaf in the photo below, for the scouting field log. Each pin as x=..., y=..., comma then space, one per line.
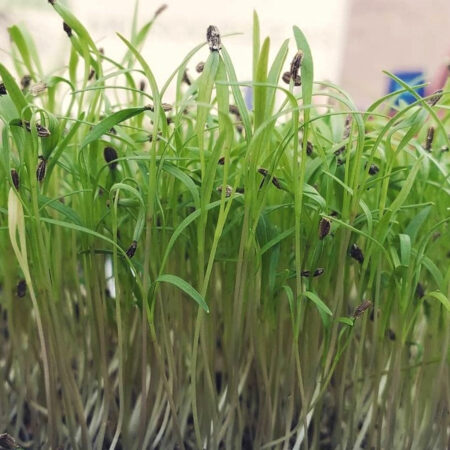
x=185, y=179
x=63, y=209
x=434, y=271
x=368, y=215
x=405, y=249
x=127, y=188
x=441, y=297
x=50, y=143
x=274, y=76
x=74, y=23
x=417, y=222
x=237, y=94
x=205, y=87
x=14, y=92
x=383, y=225
x=318, y=302
x=276, y=240
x=259, y=90
x=346, y=321
x=394, y=257
x=256, y=42
x=63, y=144
x=222, y=95
x=290, y=295
x=322, y=308
x=160, y=122
x=109, y=122
x=18, y=39
x=182, y=226
x=307, y=67
x=73, y=64
x=185, y=287
x=73, y=226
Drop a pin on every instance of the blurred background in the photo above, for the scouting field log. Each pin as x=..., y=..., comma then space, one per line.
x=352, y=40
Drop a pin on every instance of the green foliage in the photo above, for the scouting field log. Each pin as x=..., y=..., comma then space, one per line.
x=182, y=293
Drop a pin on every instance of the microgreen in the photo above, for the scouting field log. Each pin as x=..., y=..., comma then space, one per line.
x=190, y=273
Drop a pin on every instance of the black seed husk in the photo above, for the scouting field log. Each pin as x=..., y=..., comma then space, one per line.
x=347, y=126
x=186, y=78
x=150, y=137
x=160, y=10
x=324, y=227
x=391, y=334
x=221, y=161
x=165, y=106
x=42, y=131
x=286, y=77
x=319, y=271
x=142, y=85
x=373, y=169
x=429, y=140
x=263, y=171
x=234, y=110
x=420, y=291
x=40, y=171
x=276, y=182
x=436, y=236
x=38, y=88
x=131, y=249
x=309, y=148
x=2, y=89
x=266, y=174
x=356, y=253
x=295, y=64
x=213, y=38
x=366, y=304
x=7, y=442
x=110, y=155
x=67, y=29
x=435, y=97
x=21, y=288
x=200, y=66
x=25, y=81
x=15, y=179
x=228, y=190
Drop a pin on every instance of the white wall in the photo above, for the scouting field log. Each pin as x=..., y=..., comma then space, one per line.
x=394, y=35
x=183, y=25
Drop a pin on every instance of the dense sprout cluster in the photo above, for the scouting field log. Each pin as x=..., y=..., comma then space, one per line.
x=192, y=272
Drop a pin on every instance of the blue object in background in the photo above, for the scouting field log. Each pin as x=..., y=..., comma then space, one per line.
x=411, y=78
